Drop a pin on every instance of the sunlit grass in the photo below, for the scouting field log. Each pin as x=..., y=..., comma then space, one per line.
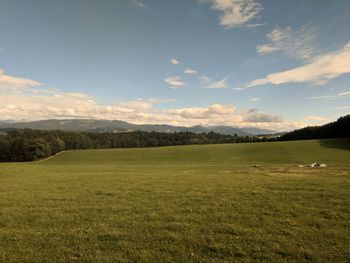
x=179, y=204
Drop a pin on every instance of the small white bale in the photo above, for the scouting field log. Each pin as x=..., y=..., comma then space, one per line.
x=314, y=165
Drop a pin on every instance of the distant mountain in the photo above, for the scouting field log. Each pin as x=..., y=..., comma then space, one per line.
x=6, y=121
x=257, y=131
x=114, y=126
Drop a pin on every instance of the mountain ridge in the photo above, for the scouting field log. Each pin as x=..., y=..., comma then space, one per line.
x=115, y=126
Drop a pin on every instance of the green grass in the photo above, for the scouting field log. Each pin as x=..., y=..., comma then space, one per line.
x=180, y=204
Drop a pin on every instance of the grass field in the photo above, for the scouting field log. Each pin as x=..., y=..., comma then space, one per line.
x=180, y=204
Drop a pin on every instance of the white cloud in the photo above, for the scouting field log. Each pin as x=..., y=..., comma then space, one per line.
x=138, y=3
x=156, y=100
x=42, y=91
x=238, y=88
x=254, y=115
x=221, y=84
x=264, y=49
x=190, y=71
x=297, y=43
x=255, y=99
x=77, y=105
x=174, y=61
x=228, y=115
x=236, y=13
x=32, y=102
x=175, y=82
x=212, y=111
x=210, y=84
x=342, y=107
x=9, y=82
x=318, y=72
x=28, y=106
x=317, y=119
x=344, y=94
x=138, y=105
x=339, y=95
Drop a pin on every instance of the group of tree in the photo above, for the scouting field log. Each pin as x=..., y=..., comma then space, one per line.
x=29, y=145
x=337, y=129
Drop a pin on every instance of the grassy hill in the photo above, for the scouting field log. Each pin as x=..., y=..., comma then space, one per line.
x=296, y=152
x=180, y=204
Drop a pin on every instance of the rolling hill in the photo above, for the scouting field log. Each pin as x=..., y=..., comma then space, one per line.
x=204, y=203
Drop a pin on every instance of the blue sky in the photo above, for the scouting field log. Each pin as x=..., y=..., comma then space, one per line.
x=269, y=64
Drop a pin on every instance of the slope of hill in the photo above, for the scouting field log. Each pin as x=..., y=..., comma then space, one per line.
x=337, y=129
x=91, y=125
x=331, y=151
x=179, y=204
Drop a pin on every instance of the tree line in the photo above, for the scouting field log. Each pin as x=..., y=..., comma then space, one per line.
x=337, y=129
x=30, y=145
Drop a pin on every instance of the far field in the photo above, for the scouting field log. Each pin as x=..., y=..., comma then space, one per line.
x=180, y=204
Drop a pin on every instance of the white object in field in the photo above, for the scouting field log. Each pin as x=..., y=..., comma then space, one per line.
x=314, y=165
x=318, y=165
x=300, y=166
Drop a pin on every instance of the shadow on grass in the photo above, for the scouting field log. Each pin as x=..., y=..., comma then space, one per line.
x=342, y=143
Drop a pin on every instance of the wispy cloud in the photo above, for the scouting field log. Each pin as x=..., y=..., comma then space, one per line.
x=190, y=71
x=317, y=119
x=174, y=61
x=210, y=84
x=236, y=13
x=339, y=95
x=238, y=88
x=317, y=72
x=139, y=3
x=255, y=99
x=347, y=107
x=297, y=43
x=175, y=82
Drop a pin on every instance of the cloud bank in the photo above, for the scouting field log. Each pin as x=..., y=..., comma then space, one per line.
x=25, y=99
x=10, y=82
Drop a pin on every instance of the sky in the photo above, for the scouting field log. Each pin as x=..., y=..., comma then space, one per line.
x=271, y=64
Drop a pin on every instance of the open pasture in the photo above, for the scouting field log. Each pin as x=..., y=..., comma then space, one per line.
x=201, y=203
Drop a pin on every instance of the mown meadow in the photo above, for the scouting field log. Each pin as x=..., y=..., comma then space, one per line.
x=201, y=203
